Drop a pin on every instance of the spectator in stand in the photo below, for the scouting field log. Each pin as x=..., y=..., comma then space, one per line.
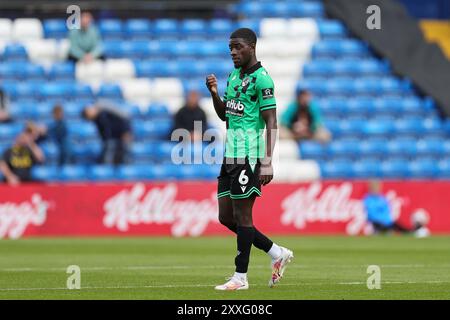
x=379, y=214
x=57, y=131
x=114, y=129
x=191, y=112
x=18, y=160
x=85, y=43
x=302, y=120
x=4, y=115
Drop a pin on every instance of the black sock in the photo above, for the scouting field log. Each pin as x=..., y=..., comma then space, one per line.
x=245, y=237
x=260, y=241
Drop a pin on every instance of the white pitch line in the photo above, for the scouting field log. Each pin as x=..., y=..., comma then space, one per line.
x=183, y=267
x=212, y=285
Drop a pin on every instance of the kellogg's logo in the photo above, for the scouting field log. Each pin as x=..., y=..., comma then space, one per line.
x=15, y=218
x=159, y=206
x=332, y=204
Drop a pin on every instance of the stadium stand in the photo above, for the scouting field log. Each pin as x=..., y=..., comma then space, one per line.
x=381, y=127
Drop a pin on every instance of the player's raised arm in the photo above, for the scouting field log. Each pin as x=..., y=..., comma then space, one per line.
x=219, y=106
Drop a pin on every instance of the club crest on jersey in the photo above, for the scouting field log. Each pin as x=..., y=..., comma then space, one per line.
x=245, y=82
x=235, y=107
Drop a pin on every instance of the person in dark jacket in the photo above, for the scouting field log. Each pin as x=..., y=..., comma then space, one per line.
x=114, y=129
x=185, y=117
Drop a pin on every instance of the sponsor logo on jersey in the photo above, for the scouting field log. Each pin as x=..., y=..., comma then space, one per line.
x=267, y=93
x=235, y=107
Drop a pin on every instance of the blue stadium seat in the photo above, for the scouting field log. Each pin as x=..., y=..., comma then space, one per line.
x=141, y=151
x=152, y=129
x=20, y=111
x=73, y=173
x=412, y=126
x=187, y=171
x=193, y=27
x=366, y=169
x=45, y=173
x=111, y=28
x=411, y=106
x=157, y=110
x=13, y=70
x=62, y=70
x=423, y=169
x=305, y=9
x=82, y=129
x=73, y=109
x=55, y=28
x=147, y=68
x=55, y=90
x=373, y=147
x=402, y=147
x=213, y=49
x=86, y=152
x=15, y=52
x=331, y=29
x=102, y=173
x=145, y=172
x=443, y=168
x=136, y=49
x=394, y=169
x=336, y=169
x=377, y=128
x=312, y=150
x=31, y=70
x=221, y=27
x=8, y=132
x=43, y=110
x=51, y=151
x=434, y=147
x=279, y=9
x=338, y=47
x=81, y=91
x=166, y=28
x=249, y=23
x=344, y=148
x=251, y=8
x=110, y=91
x=186, y=48
x=113, y=49
x=359, y=106
x=138, y=29
x=163, y=150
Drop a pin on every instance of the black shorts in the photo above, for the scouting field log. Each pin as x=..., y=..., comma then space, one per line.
x=238, y=179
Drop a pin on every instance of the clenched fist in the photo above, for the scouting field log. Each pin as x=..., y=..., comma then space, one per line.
x=211, y=83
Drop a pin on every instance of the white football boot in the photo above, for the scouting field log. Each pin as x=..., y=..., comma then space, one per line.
x=279, y=265
x=233, y=283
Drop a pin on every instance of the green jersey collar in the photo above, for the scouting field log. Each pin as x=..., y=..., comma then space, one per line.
x=252, y=69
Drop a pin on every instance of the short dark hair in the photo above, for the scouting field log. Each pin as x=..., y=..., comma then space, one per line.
x=244, y=33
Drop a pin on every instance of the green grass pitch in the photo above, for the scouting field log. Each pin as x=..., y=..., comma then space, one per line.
x=328, y=267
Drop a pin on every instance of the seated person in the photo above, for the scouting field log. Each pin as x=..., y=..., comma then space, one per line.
x=302, y=120
x=18, y=160
x=85, y=43
x=379, y=213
